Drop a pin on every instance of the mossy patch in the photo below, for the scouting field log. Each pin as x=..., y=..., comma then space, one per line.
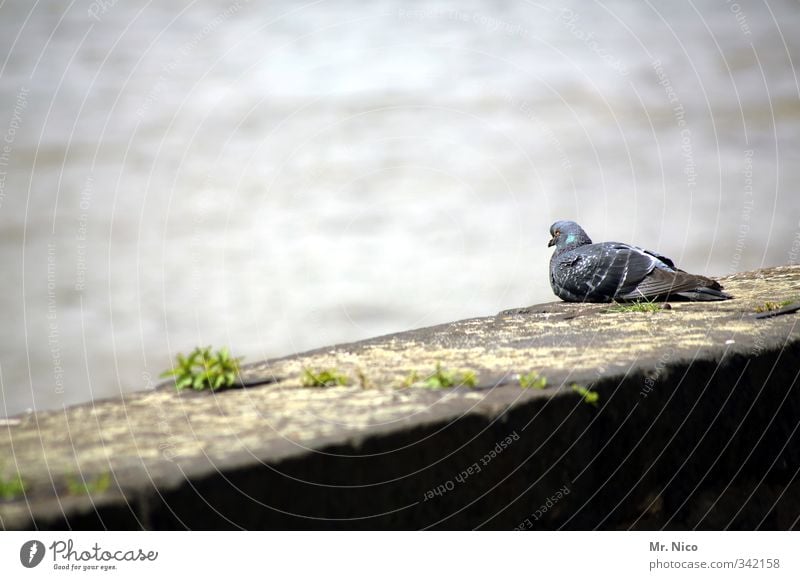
x=11, y=487
x=532, y=380
x=323, y=378
x=636, y=307
x=589, y=397
x=769, y=306
x=442, y=378
x=82, y=486
x=204, y=369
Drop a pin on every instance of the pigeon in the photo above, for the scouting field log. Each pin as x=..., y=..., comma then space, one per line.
x=581, y=271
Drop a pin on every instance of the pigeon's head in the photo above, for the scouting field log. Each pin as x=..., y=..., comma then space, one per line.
x=567, y=235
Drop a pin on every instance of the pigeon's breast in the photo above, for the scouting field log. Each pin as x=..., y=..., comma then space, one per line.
x=568, y=273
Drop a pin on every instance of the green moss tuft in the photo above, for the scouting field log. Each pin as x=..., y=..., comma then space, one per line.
x=11, y=487
x=323, y=378
x=532, y=380
x=770, y=306
x=590, y=397
x=442, y=379
x=81, y=486
x=636, y=307
x=203, y=369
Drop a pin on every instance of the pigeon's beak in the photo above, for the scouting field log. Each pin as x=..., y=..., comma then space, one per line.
x=552, y=241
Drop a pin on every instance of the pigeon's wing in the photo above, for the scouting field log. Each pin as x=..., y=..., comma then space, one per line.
x=627, y=266
x=667, y=261
x=664, y=278
x=603, y=272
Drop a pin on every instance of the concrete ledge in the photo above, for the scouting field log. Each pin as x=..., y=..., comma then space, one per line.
x=696, y=427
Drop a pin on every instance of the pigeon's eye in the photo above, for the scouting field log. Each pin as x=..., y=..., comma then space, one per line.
x=558, y=233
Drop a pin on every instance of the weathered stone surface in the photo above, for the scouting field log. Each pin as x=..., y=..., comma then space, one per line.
x=696, y=426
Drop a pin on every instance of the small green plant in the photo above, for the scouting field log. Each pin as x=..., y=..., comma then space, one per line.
x=11, y=488
x=442, y=379
x=323, y=378
x=770, y=306
x=589, y=396
x=532, y=380
x=203, y=369
x=78, y=486
x=636, y=307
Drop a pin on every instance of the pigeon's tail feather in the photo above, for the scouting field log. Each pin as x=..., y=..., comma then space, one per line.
x=662, y=283
x=706, y=290
x=704, y=294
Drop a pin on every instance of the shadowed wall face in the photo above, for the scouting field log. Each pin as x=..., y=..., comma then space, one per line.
x=276, y=179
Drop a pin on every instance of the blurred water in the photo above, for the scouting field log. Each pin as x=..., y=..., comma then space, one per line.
x=283, y=177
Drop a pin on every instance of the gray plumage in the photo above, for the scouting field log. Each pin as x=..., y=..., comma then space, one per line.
x=581, y=271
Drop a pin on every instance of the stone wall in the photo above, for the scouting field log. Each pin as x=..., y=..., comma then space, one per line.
x=695, y=426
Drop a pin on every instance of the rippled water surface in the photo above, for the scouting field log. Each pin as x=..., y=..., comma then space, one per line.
x=283, y=177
